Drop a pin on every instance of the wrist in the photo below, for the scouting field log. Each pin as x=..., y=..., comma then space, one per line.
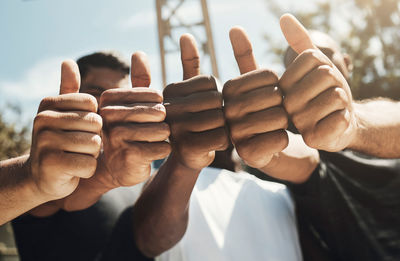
x=359, y=128
x=30, y=184
x=174, y=162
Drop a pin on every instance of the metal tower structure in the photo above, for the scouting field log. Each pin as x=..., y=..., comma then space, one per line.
x=174, y=16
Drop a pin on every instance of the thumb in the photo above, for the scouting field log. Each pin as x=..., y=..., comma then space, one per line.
x=189, y=56
x=70, y=77
x=295, y=33
x=140, y=70
x=242, y=49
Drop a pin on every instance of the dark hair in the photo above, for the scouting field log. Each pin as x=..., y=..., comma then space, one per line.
x=102, y=60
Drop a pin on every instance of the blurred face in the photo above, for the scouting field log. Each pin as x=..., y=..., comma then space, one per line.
x=98, y=80
x=330, y=48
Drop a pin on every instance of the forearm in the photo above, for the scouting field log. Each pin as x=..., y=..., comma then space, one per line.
x=378, y=129
x=18, y=192
x=161, y=212
x=295, y=163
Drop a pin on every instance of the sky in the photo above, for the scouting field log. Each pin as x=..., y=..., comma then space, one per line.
x=37, y=35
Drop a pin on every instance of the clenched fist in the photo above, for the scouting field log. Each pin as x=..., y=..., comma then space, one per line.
x=317, y=96
x=253, y=107
x=66, y=137
x=194, y=112
x=134, y=130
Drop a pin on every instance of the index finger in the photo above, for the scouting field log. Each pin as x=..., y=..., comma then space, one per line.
x=296, y=35
x=242, y=50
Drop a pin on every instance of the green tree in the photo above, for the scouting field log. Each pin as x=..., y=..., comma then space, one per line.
x=368, y=30
x=14, y=141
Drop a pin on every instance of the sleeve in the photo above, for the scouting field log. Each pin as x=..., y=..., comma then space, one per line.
x=351, y=204
x=122, y=245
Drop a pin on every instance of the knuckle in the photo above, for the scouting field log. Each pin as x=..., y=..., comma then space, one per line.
x=105, y=112
x=282, y=118
x=164, y=127
x=212, y=80
x=169, y=89
x=224, y=142
x=91, y=165
x=339, y=95
x=44, y=138
x=227, y=88
x=269, y=76
x=283, y=140
x=42, y=119
x=96, y=139
x=231, y=109
x=244, y=149
x=288, y=104
x=277, y=95
x=89, y=100
x=311, y=54
x=156, y=95
x=309, y=138
x=47, y=103
x=235, y=129
x=105, y=96
x=95, y=120
x=297, y=120
x=219, y=115
x=216, y=97
x=326, y=71
x=164, y=149
x=159, y=111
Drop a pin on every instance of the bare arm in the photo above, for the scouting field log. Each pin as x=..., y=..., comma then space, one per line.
x=378, y=128
x=18, y=191
x=161, y=212
x=194, y=114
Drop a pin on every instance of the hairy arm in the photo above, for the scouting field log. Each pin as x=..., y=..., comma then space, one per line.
x=18, y=191
x=378, y=128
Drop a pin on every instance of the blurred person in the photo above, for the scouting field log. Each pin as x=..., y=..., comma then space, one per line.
x=133, y=135
x=350, y=207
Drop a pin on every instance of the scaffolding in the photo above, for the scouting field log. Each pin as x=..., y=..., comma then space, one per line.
x=171, y=18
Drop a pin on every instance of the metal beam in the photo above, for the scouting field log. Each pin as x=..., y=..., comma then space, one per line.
x=169, y=19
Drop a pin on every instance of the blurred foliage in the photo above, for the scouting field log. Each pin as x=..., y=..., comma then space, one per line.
x=14, y=141
x=368, y=30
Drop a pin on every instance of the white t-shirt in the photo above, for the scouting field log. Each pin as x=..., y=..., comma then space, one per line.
x=235, y=216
